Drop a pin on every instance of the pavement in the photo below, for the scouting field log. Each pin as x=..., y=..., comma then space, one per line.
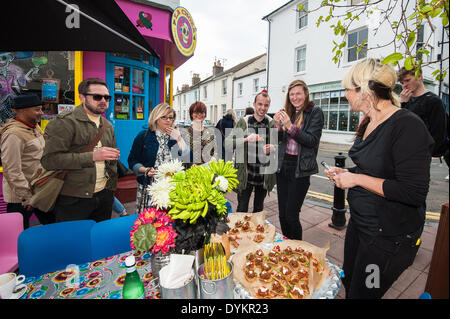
x=315, y=220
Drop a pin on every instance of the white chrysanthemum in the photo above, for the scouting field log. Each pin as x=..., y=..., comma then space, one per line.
x=223, y=183
x=159, y=192
x=168, y=169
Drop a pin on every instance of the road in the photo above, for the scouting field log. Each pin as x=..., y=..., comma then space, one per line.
x=321, y=189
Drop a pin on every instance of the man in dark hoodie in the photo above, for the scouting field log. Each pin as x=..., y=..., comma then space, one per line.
x=225, y=125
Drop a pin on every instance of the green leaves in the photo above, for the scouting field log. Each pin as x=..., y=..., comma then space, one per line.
x=145, y=237
x=411, y=39
x=393, y=58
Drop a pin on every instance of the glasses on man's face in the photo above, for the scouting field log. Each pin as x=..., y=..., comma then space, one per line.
x=99, y=97
x=167, y=118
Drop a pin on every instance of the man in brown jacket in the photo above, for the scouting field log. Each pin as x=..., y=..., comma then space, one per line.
x=88, y=190
x=22, y=144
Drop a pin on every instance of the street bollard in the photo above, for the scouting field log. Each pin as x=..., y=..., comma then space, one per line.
x=338, y=218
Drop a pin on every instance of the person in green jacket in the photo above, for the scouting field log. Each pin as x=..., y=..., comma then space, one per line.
x=88, y=190
x=252, y=139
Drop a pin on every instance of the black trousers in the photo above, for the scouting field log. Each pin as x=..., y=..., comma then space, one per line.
x=373, y=263
x=98, y=208
x=258, y=200
x=44, y=218
x=291, y=193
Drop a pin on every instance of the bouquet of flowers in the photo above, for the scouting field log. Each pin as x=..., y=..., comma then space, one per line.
x=153, y=231
x=189, y=205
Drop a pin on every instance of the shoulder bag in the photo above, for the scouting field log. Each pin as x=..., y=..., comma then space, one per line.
x=46, y=185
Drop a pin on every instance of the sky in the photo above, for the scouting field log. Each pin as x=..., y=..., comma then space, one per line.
x=231, y=31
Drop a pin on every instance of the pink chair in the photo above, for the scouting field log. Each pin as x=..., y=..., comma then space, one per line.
x=11, y=225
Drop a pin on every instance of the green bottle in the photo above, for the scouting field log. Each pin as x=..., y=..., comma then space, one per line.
x=133, y=288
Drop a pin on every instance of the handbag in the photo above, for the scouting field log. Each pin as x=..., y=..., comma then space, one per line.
x=46, y=185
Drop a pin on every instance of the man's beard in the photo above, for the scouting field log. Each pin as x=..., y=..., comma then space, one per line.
x=93, y=109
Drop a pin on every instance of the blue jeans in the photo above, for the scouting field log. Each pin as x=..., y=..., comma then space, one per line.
x=117, y=206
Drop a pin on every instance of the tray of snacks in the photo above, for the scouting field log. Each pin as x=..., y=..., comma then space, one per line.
x=249, y=227
x=291, y=269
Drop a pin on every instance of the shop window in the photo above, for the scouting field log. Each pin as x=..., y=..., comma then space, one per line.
x=129, y=98
x=49, y=74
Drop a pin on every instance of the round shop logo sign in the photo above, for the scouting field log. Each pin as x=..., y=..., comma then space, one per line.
x=183, y=31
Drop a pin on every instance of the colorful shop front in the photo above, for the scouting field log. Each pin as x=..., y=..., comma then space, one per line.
x=137, y=81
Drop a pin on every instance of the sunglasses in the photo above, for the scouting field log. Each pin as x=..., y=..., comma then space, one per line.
x=99, y=97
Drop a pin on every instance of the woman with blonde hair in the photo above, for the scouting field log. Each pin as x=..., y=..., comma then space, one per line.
x=154, y=146
x=388, y=185
x=300, y=128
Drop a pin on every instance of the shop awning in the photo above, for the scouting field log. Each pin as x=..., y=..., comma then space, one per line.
x=53, y=25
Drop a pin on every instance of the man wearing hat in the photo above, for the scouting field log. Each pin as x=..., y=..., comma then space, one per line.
x=22, y=144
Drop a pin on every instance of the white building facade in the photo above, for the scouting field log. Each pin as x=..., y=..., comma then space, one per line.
x=218, y=91
x=298, y=49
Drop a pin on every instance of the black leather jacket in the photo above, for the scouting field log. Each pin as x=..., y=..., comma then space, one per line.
x=308, y=140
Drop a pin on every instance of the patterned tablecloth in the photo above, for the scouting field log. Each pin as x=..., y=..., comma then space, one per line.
x=104, y=278
x=101, y=279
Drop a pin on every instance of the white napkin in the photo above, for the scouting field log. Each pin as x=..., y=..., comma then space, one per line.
x=177, y=272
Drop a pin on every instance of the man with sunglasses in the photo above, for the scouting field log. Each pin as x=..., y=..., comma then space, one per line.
x=88, y=191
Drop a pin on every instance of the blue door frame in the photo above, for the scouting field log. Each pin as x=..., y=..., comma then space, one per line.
x=127, y=129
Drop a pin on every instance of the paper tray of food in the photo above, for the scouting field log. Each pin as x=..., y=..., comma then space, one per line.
x=289, y=269
x=249, y=227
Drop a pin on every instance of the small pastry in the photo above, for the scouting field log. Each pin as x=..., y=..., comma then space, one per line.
x=234, y=231
x=250, y=275
x=303, y=273
x=273, y=260
x=277, y=248
x=277, y=288
x=285, y=271
x=294, y=264
x=250, y=265
x=260, y=228
x=295, y=279
x=258, y=261
x=299, y=251
x=246, y=227
x=250, y=256
x=262, y=292
x=259, y=253
x=266, y=267
x=258, y=238
x=278, y=277
x=273, y=253
x=238, y=224
x=297, y=293
x=288, y=251
x=247, y=218
x=265, y=276
x=284, y=260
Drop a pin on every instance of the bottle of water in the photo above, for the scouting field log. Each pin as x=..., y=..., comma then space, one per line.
x=133, y=288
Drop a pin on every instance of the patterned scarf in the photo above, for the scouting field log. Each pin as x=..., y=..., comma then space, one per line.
x=163, y=154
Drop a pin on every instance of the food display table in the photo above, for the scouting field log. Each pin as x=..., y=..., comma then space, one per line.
x=104, y=278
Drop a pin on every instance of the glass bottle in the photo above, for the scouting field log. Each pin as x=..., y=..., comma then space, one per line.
x=133, y=288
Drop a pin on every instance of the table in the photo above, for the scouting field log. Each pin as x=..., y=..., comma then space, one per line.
x=100, y=279
x=104, y=278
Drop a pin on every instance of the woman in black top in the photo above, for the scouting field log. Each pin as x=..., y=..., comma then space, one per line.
x=388, y=186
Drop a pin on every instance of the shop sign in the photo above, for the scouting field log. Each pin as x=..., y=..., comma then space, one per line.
x=184, y=32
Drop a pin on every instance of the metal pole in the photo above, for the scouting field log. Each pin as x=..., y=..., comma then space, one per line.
x=338, y=218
